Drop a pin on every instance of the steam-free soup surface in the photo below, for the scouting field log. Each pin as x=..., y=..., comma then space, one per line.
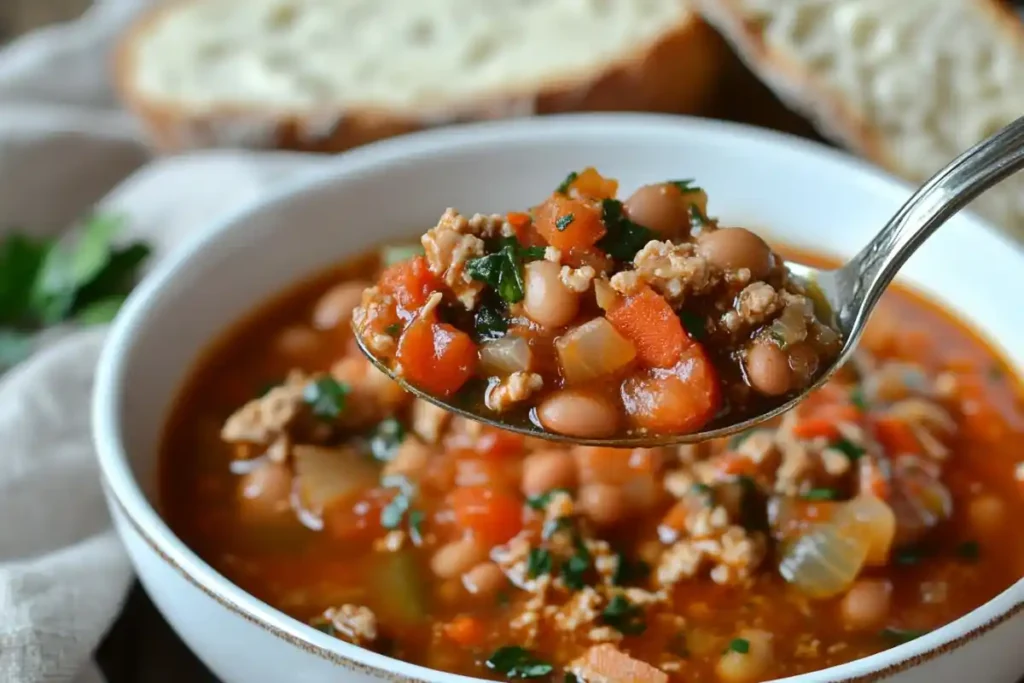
x=879, y=509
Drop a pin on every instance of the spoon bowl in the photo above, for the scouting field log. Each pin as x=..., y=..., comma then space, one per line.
x=850, y=292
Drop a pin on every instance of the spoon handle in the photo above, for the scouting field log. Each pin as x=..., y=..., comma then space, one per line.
x=862, y=281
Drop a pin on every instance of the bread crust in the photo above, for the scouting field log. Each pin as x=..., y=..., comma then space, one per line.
x=677, y=74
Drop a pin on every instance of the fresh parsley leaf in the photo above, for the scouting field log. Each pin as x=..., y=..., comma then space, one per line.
x=502, y=270
x=563, y=187
x=575, y=568
x=538, y=563
x=898, y=636
x=740, y=645
x=969, y=550
x=326, y=397
x=388, y=435
x=393, y=330
x=540, y=501
x=910, y=555
x=569, y=677
x=849, y=449
x=628, y=572
x=703, y=490
x=821, y=494
x=563, y=222
x=693, y=324
x=392, y=513
x=624, y=237
x=686, y=186
x=553, y=526
x=517, y=662
x=489, y=323
x=858, y=399
x=753, y=507
x=116, y=279
x=416, y=518
x=14, y=347
x=101, y=311
x=20, y=260
x=624, y=616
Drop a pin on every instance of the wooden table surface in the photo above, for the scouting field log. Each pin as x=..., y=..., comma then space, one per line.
x=140, y=646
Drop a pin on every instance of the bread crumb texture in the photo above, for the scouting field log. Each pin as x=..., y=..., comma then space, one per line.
x=404, y=54
x=908, y=83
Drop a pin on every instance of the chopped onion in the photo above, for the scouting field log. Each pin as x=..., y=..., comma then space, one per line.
x=327, y=474
x=605, y=296
x=505, y=356
x=790, y=327
x=919, y=500
x=594, y=349
x=826, y=558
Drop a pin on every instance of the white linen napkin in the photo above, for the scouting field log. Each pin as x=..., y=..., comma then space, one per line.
x=63, y=146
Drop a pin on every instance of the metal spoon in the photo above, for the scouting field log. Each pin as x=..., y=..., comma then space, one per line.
x=852, y=291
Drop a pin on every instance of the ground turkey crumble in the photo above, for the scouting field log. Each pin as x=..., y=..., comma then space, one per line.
x=507, y=392
x=354, y=623
x=456, y=240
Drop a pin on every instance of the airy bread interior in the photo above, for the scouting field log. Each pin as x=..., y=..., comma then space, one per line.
x=918, y=80
x=290, y=55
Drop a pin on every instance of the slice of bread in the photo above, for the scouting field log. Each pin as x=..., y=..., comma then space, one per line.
x=907, y=83
x=325, y=75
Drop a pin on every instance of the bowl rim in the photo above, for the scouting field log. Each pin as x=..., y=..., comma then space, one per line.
x=125, y=494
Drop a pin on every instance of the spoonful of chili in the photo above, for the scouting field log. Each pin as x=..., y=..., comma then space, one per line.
x=639, y=322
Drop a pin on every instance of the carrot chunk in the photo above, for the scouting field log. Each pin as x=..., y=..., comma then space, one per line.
x=680, y=401
x=590, y=183
x=492, y=516
x=896, y=436
x=824, y=421
x=646, y=319
x=436, y=357
x=465, y=630
x=567, y=223
x=410, y=282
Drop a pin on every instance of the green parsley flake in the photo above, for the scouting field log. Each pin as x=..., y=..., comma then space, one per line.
x=624, y=237
x=386, y=439
x=538, y=563
x=540, y=501
x=326, y=397
x=969, y=550
x=563, y=187
x=517, y=662
x=849, y=449
x=740, y=645
x=821, y=494
x=624, y=616
x=563, y=222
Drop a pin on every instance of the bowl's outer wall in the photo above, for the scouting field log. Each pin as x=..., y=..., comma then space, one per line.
x=799, y=193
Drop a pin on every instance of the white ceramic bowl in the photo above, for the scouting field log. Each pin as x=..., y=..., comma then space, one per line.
x=802, y=193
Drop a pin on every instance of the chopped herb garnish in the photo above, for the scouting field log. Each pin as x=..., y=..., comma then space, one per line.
x=503, y=269
x=553, y=526
x=969, y=550
x=570, y=678
x=628, y=572
x=538, y=563
x=563, y=222
x=387, y=437
x=740, y=645
x=540, y=501
x=898, y=636
x=516, y=662
x=624, y=238
x=698, y=219
x=693, y=324
x=848, y=448
x=416, y=518
x=910, y=555
x=392, y=514
x=857, y=398
x=702, y=489
x=624, y=616
x=821, y=494
x=753, y=509
x=575, y=568
x=563, y=187
x=326, y=397
x=489, y=323
x=686, y=186
x=393, y=330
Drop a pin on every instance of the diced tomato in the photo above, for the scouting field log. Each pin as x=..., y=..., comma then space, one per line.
x=499, y=443
x=734, y=464
x=896, y=436
x=676, y=402
x=357, y=519
x=823, y=420
x=410, y=282
x=436, y=357
x=616, y=466
x=567, y=223
x=518, y=219
x=492, y=516
x=590, y=183
x=465, y=630
x=646, y=319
